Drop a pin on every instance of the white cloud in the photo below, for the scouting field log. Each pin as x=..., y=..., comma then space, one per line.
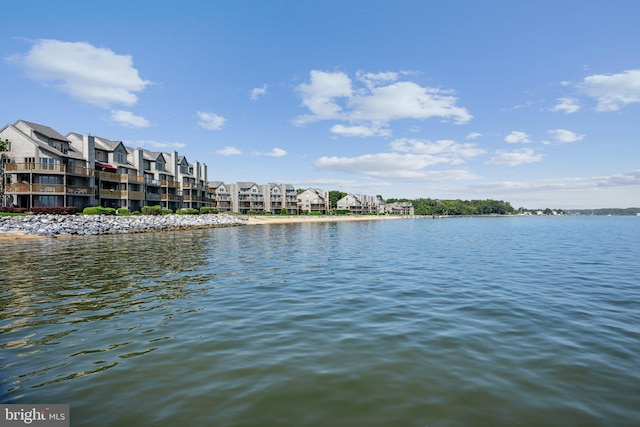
x=408, y=161
x=90, y=74
x=381, y=99
x=127, y=118
x=473, y=135
x=157, y=144
x=229, y=151
x=258, y=92
x=320, y=94
x=360, y=130
x=613, y=91
x=210, y=120
x=515, y=158
x=565, y=136
x=448, y=148
x=391, y=166
x=374, y=79
x=276, y=152
x=406, y=100
x=517, y=137
x=567, y=105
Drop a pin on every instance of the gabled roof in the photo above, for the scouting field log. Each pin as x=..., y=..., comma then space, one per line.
x=51, y=134
x=106, y=144
x=44, y=130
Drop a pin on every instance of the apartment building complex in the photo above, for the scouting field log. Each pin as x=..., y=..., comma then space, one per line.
x=44, y=168
x=41, y=167
x=249, y=197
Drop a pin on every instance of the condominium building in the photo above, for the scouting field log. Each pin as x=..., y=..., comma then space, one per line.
x=359, y=204
x=314, y=200
x=44, y=168
x=398, y=208
x=251, y=198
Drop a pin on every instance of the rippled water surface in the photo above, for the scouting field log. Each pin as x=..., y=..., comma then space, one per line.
x=457, y=322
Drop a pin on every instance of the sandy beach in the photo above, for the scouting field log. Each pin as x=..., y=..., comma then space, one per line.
x=8, y=236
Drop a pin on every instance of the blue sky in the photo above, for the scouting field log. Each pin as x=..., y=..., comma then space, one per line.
x=536, y=103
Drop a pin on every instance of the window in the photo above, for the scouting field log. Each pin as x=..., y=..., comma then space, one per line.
x=160, y=165
x=46, y=201
x=49, y=180
x=146, y=165
x=47, y=163
x=120, y=157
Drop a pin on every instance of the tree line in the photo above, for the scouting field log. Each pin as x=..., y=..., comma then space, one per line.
x=458, y=207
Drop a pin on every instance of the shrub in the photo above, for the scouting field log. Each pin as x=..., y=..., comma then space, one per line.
x=123, y=211
x=11, y=209
x=54, y=210
x=208, y=210
x=98, y=210
x=151, y=210
x=187, y=211
x=165, y=211
x=315, y=213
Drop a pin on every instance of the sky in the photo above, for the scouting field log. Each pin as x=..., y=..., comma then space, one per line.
x=532, y=102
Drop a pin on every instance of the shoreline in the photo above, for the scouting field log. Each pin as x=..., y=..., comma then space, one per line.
x=300, y=219
x=17, y=235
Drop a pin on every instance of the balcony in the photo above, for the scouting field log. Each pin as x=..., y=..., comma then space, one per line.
x=152, y=182
x=190, y=198
x=136, y=195
x=46, y=168
x=169, y=183
x=48, y=188
x=132, y=178
x=108, y=176
x=170, y=197
x=152, y=196
x=112, y=194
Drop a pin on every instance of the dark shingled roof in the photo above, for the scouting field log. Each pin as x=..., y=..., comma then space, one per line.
x=45, y=130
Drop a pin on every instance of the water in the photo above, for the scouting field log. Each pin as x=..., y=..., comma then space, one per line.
x=457, y=322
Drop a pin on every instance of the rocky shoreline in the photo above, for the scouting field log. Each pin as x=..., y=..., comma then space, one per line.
x=88, y=225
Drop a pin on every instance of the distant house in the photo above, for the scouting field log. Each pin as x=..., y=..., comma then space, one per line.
x=359, y=204
x=313, y=200
x=398, y=208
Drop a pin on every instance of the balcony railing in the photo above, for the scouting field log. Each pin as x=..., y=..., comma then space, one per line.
x=48, y=188
x=47, y=168
x=108, y=176
x=169, y=183
x=136, y=195
x=170, y=197
x=152, y=182
x=112, y=194
x=152, y=196
x=132, y=178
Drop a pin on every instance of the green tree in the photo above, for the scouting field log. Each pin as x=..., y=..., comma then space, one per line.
x=334, y=196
